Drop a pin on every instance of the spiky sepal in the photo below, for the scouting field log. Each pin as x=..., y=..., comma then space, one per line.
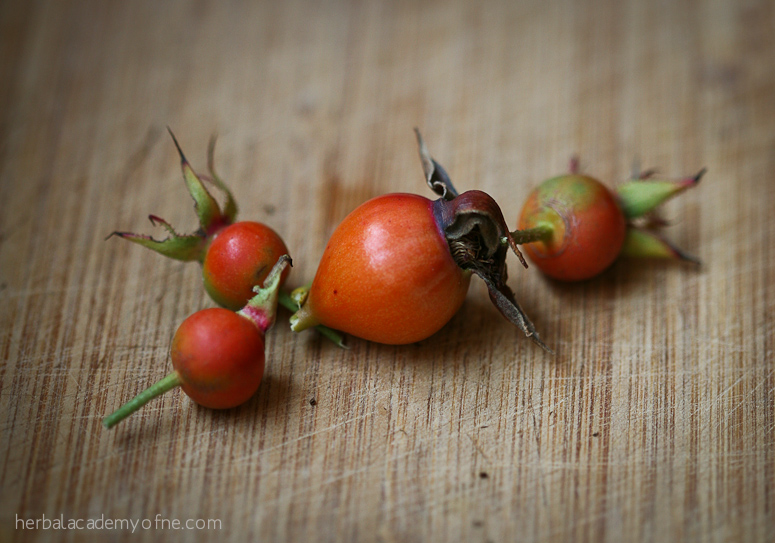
x=640, y=243
x=641, y=196
x=211, y=219
x=184, y=247
x=261, y=309
x=639, y=199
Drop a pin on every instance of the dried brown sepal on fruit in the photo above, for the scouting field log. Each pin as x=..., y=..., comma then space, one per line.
x=478, y=238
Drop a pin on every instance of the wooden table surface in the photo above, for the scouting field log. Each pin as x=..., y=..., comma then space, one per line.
x=655, y=421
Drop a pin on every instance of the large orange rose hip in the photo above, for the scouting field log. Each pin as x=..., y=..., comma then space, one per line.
x=387, y=274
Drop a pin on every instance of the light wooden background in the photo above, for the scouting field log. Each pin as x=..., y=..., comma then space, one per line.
x=654, y=422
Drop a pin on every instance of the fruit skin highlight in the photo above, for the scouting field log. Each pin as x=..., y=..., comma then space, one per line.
x=398, y=267
x=573, y=227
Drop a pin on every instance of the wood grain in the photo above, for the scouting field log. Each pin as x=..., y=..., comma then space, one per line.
x=654, y=422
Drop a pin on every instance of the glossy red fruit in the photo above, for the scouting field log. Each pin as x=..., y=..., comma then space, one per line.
x=240, y=257
x=587, y=225
x=573, y=227
x=387, y=274
x=399, y=266
x=217, y=355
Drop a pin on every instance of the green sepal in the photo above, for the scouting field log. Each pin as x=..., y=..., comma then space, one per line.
x=640, y=243
x=192, y=246
x=207, y=208
x=180, y=247
x=291, y=303
x=230, y=206
x=640, y=196
x=261, y=309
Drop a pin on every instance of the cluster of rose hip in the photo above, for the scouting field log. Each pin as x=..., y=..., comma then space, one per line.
x=394, y=271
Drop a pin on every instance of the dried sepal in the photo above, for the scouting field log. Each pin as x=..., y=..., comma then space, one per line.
x=478, y=238
x=437, y=178
x=475, y=230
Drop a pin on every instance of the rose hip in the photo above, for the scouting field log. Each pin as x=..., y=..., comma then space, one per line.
x=387, y=274
x=231, y=266
x=399, y=266
x=587, y=227
x=217, y=355
x=573, y=227
x=239, y=256
x=235, y=256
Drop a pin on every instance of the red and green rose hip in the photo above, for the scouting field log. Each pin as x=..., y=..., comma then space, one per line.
x=573, y=227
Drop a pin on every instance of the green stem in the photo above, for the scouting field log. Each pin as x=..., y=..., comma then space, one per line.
x=541, y=232
x=286, y=301
x=332, y=335
x=290, y=304
x=157, y=389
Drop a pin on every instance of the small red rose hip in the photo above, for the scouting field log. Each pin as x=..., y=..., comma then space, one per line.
x=587, y=224
x=217, y=355
x=235, y=256
x=573, y=227
x=239, y=257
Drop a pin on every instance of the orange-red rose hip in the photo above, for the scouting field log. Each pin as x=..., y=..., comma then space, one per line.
x=587, y=223
x=238, y=259
x=387, y=274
